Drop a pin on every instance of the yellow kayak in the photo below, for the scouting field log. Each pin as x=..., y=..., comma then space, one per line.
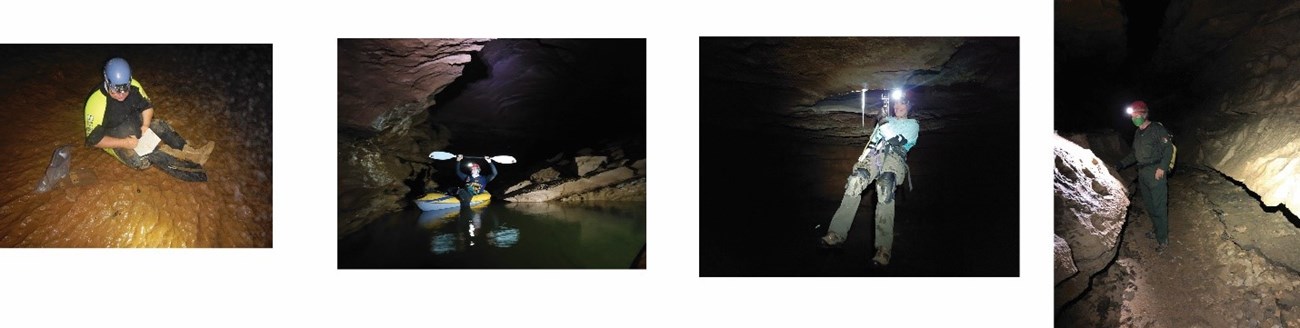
x=439, y=201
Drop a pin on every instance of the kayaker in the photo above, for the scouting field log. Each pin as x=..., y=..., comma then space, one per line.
x=118, y=113
x=884, y=161
x=474, y=182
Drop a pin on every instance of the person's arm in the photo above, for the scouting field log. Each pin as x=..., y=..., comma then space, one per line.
x=492, y=166
x=458, y=169
x=1159, y=143
x=1128, y=160
x=112, y=142
x=98, y=138
x=913, y=130
x=875, y=134
x=146, y=116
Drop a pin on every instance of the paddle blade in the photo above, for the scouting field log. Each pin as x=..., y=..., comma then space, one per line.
x=504, y=159
x=441, y=155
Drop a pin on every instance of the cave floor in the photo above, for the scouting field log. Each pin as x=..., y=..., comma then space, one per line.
x=1216, y=272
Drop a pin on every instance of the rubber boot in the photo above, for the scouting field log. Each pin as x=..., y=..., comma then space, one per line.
x=882, y=257
x=189, y=153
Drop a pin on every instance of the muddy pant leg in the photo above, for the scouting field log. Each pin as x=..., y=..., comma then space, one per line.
x=843, y=218
x=1157, y=206
x=168, y=135
x=885, y=211
x=129, y=158
x=465, y=197
x=177, y=168
x=884, y=224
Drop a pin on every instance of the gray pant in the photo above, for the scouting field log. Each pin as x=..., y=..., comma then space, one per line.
x=848, y=210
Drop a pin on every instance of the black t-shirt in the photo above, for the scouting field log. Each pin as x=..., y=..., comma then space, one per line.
x=121, y=118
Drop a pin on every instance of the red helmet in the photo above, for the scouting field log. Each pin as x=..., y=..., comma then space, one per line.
x=1137, y=107
x=472, y=165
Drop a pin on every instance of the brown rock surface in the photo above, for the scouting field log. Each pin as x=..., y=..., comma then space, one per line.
x=1090, y=210
x=382, y=82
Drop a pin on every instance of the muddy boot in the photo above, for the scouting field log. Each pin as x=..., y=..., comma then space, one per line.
x=189, y=153
x=201, y=154
x=831, y=240
x=882, y=258
x=1160, y=247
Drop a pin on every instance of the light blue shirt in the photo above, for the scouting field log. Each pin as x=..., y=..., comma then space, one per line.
x=894, y=126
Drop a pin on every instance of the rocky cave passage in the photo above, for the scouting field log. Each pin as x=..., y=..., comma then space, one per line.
x=571, y=111
x=780, y=129
x=1222, y=77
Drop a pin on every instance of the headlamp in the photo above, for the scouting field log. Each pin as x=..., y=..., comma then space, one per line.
x=119, y=88
x=1129, y=110
x=897, y=95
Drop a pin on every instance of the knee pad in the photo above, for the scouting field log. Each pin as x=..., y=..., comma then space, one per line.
x=885, y=187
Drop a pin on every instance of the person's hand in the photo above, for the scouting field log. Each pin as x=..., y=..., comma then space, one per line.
x=488, y=159
x=131, y=142
x=460, y=157
x=1160, y=174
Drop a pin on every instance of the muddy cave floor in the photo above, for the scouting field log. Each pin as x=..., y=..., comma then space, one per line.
x=1214, y=273
x=220, y=94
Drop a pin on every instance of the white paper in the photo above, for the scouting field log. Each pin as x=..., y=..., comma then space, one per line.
x=148, y=142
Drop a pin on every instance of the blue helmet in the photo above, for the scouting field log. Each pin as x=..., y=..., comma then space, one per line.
x=117, y=75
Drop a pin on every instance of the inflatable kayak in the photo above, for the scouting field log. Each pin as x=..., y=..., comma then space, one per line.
x=439, y=201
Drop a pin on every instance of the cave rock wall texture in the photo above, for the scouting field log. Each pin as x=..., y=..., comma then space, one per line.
x=1251, y=53
x=384, y=82
x=811, y=84
x=1226, y=74
x=1090, y=208
x=385, y=87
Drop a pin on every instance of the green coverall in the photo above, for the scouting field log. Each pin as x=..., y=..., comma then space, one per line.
x=1152, y=150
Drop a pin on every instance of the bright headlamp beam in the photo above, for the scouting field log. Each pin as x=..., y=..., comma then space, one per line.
x=897, y=95
x=1129, y=110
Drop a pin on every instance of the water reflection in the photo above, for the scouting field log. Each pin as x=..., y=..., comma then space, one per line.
x=560, y=235
x=470, y=231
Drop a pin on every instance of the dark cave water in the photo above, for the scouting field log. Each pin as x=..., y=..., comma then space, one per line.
x=209, y=93
x=502, y=235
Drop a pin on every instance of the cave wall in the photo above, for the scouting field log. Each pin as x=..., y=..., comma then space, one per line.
x=1090, y=207
x=385, y=81
x=820, y=67
x=1222, y=77
x=1250, y=59
x=810, y=85
x=1089, y=30
x=385, y=89
x=401, y=99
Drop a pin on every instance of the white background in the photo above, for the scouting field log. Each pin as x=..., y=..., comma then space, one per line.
x=296, y=282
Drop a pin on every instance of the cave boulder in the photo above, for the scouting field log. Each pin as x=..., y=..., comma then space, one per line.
x=1107, y=146
x=1090, y=207
x=1064, y=268
x=545, y=175
x=587, y=164
x=567, y=187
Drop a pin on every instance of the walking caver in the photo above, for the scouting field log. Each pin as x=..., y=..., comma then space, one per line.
x=884, y=162
x=1153, y=153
